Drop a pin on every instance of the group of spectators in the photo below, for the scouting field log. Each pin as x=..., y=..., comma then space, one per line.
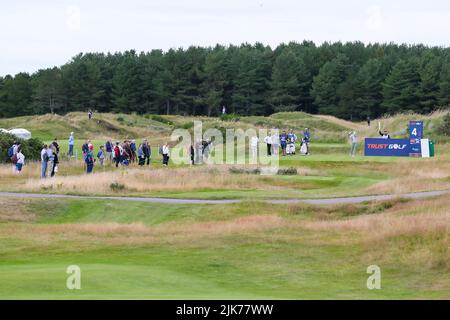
x=286, y=140
x=50, y=159
x=120, y=154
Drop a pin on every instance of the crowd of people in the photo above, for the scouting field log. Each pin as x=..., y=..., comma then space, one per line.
x=286, y=141
x=127, y=152
x=119, y=154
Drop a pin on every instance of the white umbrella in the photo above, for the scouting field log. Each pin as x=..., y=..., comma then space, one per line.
x=21, y=133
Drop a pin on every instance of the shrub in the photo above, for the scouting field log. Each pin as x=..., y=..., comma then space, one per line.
x=235, y=170
x=287, y=172
x=232, y=117
x=120, y=119
x=30, y=148
x=161, y=119
x=445, y=126
x=115, y=186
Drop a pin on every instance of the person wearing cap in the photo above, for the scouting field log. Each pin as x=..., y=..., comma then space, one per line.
x=71, y=144
x=384, y=134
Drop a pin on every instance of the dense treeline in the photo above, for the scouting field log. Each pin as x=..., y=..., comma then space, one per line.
x=350, y=80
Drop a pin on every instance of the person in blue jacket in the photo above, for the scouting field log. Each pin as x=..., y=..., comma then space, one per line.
x=283, y=141
x=71, y=144
x=306, y=139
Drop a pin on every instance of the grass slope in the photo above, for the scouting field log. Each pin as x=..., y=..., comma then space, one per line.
x=240, y=251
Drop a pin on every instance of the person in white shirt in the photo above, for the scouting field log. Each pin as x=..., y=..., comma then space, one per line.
x=268, y=141
x=165, y=154
x=275, y=143
x=20, y=160
x=254, y=144
x=353, y=142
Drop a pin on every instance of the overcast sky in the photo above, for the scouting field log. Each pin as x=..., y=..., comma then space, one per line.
x=40, y=34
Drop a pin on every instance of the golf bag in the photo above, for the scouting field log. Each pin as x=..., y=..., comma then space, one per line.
x=304, y=148
x=290, y=148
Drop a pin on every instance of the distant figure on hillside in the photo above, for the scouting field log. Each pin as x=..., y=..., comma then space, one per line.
x=224, y=110
x=71, y=144
x=90, y=114
x=353, y=142
x=368, y=121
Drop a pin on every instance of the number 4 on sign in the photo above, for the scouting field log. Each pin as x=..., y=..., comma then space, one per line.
x=414, y=132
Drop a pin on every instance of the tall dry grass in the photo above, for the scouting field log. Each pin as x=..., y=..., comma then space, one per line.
x=139, y=180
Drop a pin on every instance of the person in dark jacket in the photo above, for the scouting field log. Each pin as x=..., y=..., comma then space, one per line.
x=146, y=148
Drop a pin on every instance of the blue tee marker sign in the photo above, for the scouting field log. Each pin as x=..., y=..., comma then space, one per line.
x=397, y=147
x=415, y=135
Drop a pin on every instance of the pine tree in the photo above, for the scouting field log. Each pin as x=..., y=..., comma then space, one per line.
x=326, y=83
x=400, y=87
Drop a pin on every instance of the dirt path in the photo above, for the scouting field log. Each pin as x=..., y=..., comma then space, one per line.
x=329, y=201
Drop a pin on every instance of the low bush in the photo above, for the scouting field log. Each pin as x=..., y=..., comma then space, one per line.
x=287, y=172
x=161, y=119
x=232, y=117
x=30, y=148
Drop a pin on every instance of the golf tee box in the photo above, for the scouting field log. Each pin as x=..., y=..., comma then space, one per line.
x=415, y=146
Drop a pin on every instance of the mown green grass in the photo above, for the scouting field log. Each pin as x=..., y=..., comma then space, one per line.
x=268, y=264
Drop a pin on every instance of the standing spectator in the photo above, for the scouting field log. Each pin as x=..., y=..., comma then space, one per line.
x=71, y=144
x=254, y=144
x=118, y=152
x=133, y=151
x=44, y=161
x=368, y=121
x=89, y=159
x=268, y=141
x=141, y=154
x=20, y=160
x=56, y=145
x=275, y=143
x=55, y=161
x=101, y=155
x=109, y=150
x=51, y=159
x=165, y=154
x=224, y=110
x=85, y=148
x=90, y=114
x=192, y=153
x=306, y=139
x=354, y=142
x=283, y=142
